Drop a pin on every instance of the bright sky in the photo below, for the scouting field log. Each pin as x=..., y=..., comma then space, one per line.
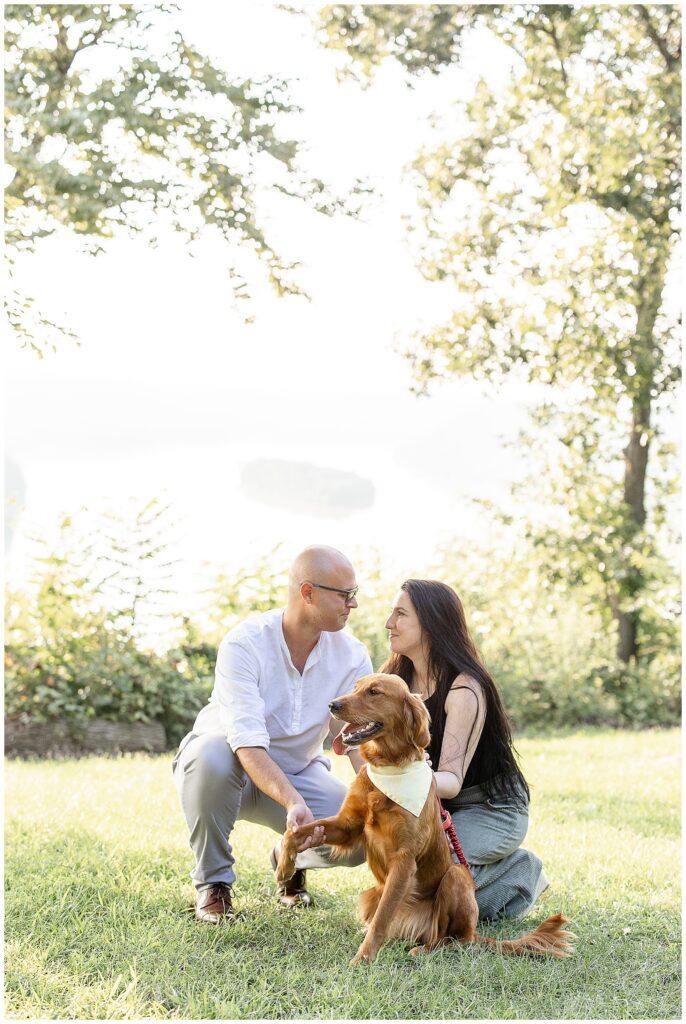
x=170, y=394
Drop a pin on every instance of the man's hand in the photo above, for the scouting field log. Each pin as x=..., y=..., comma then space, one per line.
x=300, y=814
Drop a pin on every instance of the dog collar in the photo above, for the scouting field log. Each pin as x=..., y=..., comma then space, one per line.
x=408, y=786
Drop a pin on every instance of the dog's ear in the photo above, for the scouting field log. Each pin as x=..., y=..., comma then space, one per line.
x=417, y=718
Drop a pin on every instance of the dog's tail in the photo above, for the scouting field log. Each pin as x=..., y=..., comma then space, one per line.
x=549, y=939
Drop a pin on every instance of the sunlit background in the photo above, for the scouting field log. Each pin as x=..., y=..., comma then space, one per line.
x=300, y=426
x=171, y=394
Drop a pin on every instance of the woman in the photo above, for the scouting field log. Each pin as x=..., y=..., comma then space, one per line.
x=478, y=778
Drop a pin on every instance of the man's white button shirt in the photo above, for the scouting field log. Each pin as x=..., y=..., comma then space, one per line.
x=260, y=699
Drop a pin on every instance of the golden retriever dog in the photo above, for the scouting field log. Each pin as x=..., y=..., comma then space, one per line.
x=421, y=896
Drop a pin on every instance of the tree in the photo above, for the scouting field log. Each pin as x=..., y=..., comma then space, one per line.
x=555, y=214
x=114, y=122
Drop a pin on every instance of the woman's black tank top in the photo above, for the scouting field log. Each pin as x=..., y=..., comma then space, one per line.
x=476, y=772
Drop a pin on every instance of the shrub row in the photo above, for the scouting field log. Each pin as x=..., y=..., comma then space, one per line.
x=114, y=680
x=72, y=652
x=109, y=679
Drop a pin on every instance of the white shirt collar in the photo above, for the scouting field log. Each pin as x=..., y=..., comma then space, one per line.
x=312, y=658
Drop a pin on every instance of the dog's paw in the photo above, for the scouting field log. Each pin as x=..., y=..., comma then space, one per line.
x=285, y=869
x=418, y=950
x=364, y=955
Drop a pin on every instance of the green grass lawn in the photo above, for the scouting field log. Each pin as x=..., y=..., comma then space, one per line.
x=97, y=885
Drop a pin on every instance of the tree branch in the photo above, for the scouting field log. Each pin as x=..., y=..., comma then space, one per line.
x=556, y=43
x=670, y=60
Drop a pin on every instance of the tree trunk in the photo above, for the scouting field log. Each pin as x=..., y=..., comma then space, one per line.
x=636, y=462
x=627, y=644
x=649, y=293
x=635, y=469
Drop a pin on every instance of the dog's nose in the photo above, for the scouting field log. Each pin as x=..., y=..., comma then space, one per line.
x=335, y=705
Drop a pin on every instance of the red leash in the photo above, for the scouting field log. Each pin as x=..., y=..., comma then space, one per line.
x=451, y=835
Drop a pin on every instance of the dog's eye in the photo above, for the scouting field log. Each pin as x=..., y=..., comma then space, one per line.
x=373, y=693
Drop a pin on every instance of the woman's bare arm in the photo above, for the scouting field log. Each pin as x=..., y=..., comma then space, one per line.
x=465, y=715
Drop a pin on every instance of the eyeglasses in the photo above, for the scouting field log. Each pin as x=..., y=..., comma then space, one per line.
x=349, y=595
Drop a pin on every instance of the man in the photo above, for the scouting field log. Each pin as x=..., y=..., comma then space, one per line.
x=255, y=751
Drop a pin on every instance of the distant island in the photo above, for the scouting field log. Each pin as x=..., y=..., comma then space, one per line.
x=304, y=487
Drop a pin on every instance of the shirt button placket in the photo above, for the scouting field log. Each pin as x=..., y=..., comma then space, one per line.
x=297, y=702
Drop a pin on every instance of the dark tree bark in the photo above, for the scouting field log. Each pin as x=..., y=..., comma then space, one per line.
x=650, y=287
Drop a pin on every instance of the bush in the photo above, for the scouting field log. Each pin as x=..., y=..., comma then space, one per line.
x=71, y=655
x=547, y=647
x=104, y=676
x=643, y=695
x=74, y=649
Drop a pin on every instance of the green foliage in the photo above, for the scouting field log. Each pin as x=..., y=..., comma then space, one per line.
x=135, y=552
x=75, y=642
x=552, y=205
x=245, y=591
x=115, y=123
x=74, y=649
x=548, y=645
x=545, y=636
x=73, y=646
x=98, y=674
x=584, y=535
x=30, y=326
x=650, y=695
x=420, y=37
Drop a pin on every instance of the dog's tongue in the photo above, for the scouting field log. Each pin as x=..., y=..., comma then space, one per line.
x=338, y=745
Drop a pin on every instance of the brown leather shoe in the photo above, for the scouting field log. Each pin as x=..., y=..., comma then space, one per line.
x=293, y=893
x=214, y=904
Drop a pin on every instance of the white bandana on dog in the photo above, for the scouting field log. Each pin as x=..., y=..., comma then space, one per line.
x=408, y=786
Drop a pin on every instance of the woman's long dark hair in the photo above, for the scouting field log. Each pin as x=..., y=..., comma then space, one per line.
x=452, y=651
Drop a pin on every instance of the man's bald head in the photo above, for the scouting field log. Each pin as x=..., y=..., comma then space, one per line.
x=317, y=564
x=321, y=589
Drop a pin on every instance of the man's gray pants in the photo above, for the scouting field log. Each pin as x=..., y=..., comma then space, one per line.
x=216, y=792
